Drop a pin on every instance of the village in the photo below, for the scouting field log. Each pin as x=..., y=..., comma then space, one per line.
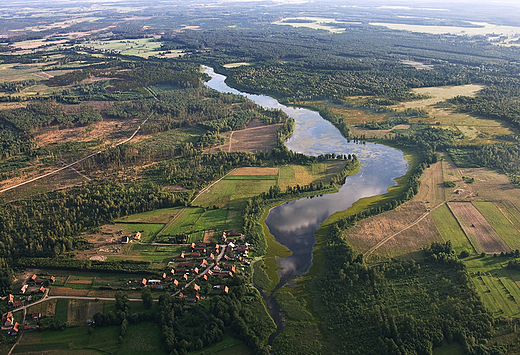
x=201, y=270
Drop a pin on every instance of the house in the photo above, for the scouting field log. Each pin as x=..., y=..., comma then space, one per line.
x=204, y=277
x=231, y=268
x=36, y=316
x=8, y=319
x=192, y=245
x=33, y=278
x=185, y=277
x=204, y=263
x=187, y=265
x=181, y=295
x=10, y=299
x=164, y=275
x=225, y=274
x=180, y=259
x=193, y=299
x=224, y=236
x=143, y=282
x=176, y=283
x=182, y=255
x=15, y=330
x=41, y=289
x=196, y=270
x=125, y=239
x=216, y=268
x=137, y=236
x=23, y=289
x=38, y=282
x=154, y=282
x=52, y=279
x=225, y=289
x=196, y=287
x=211, y=257
x=172, y=271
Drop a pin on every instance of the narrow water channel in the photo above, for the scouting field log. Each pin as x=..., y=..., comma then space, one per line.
x=294, y=223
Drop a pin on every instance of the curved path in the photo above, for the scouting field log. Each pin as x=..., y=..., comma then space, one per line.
x=386, y=239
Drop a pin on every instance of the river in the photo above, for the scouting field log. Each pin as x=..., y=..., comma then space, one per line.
x=294, y=223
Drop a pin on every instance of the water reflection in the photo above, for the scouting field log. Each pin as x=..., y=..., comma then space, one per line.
x=293, y=224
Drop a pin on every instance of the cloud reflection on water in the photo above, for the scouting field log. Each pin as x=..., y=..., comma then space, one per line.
x=293, y=224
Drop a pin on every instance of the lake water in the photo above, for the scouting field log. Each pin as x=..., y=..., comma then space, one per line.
x=294, y=223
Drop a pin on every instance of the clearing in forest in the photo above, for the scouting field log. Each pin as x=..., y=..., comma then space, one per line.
x=481, y=234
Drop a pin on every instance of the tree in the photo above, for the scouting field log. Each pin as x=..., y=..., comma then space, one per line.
x=122, y=302
x=146, y=295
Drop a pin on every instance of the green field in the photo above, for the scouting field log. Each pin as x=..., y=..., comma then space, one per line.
x=450, y=229
x=499, y=292
x=163, y=215
x=142, y=338
x=142, y=47
x=148, y=230
x=234, y=193
x=62, y=308
x=501, y=222
x=185, y=221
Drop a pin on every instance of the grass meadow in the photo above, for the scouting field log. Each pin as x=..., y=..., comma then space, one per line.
x=450, y=229
x=499, y=291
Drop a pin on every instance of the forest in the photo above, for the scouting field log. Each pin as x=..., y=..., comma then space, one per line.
x=349, y=306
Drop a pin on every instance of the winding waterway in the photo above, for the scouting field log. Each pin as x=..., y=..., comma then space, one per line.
x=294, y=223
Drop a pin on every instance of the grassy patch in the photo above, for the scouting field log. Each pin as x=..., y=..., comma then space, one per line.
x=142, y=338
x=162, y=215
x=500, y=223
x=185, y=221
x=449, y=349
x=499, y=292
x=260, y=278
x=148, y=230
x=450, y=229
x=62, y=309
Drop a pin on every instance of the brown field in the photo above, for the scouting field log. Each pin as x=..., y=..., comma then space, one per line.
x=47, y=308
x=235, y=65
x=371, y=231
x=65, y=291
x=255, y=171
x=105, y=131
x=207, y=236
x=256, y=137
x=477, y=228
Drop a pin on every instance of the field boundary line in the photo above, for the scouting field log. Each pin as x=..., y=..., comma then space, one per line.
x=386, y=239
x=479, y=250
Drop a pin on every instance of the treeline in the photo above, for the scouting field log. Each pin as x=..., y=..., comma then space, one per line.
x=16, y=86
x=502, y=157
x=373, y=310
x=47, y=113
x=47, y=225
x=129, y=266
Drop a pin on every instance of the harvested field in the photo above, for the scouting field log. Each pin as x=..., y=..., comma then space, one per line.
x=207, y=236
x=371, y=231
x=481, y=234
x=432, y=190
x=65, y=291
x=105, y=132
x=255, y=171
x=256, y=137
